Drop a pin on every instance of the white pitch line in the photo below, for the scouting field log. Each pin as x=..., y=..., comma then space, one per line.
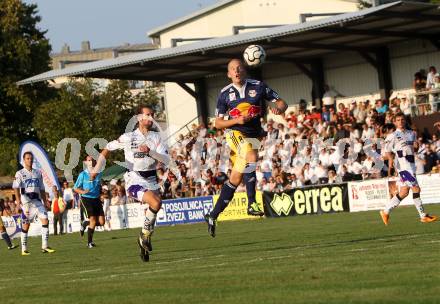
x=91, y=270
x=83, y=271
x=11, y=279
x=178, y=261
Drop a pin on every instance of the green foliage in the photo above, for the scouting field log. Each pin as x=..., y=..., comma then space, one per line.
x=8, y=152
x=84, y=111
x=364, y=4
x=24, y=52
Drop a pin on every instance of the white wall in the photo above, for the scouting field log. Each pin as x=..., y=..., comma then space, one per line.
x=180, y=106
x=252, y=12
x=407, y=58
x=350, y=75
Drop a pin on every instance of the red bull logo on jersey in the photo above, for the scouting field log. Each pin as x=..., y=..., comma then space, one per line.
x=245, y=109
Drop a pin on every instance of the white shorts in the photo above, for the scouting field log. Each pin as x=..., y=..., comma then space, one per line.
x=33, y=208
x=408, y=178
x=137, y=185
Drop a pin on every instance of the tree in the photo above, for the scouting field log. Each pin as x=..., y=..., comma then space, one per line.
x=84, y=111
x=364, y=4
x=24, y=52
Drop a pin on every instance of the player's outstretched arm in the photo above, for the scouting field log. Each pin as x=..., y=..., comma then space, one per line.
x=100, y=163
x=17, y=196
x=220, y=123
x=280, y=107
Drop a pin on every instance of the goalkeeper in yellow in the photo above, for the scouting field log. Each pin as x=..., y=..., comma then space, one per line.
x=240, y=106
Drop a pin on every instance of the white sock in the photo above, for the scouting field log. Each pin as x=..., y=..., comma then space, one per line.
x=419, y=207
x=24, y=237
x=44, y=236
x=149, y=221
x=393, y=203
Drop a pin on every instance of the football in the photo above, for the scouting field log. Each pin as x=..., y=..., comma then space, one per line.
x=254, y=55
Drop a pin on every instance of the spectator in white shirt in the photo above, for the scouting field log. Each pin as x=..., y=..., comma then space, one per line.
x=332, y=178
x=430, y=77
x=321, y=173
x=367, y=132
x=405, y=106
x=328, y=99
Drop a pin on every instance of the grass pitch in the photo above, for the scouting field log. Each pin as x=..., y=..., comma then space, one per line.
x=336, y=258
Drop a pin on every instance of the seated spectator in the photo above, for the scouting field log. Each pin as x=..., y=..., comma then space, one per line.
x=341, y=132
x=272, y=133
x=328, y=98
x=326, y=114
x=419, y=85
x=367, y=133
x=430, y=78
x=198, y=191
x=430, y=159
x=405, y=106
x=295, y=182
x=279, y=184
x=321, y=173
x=332, y=178
x=361, y=113
x=381, y=106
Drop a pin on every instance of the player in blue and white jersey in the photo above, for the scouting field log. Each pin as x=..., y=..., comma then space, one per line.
x=243, y=103
x=399, y=148
x=29, y=190
x=143, y=148
x=4, y=234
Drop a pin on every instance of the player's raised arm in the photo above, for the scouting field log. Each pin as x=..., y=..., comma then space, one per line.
x=160, y=152
x=221, y=123
x=17, y=185
x=118, y=144
x=280, y=105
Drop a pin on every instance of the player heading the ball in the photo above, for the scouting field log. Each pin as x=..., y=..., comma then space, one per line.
x=240, y=106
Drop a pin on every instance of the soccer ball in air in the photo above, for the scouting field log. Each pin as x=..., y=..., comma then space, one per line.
x=254, y=55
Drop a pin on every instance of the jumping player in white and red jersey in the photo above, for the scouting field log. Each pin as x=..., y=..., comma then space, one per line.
x=143, y=148
x=29, y=190
x=399, y=149
x=243, y=102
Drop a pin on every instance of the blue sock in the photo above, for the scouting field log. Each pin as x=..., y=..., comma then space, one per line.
x=250, y=180
x=226, y=194
x=5, y=236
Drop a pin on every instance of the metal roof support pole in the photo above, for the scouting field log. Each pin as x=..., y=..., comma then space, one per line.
x=316, y=75
x=187, y=89
x=202, y=101
x=317, y=69
x=384, y=72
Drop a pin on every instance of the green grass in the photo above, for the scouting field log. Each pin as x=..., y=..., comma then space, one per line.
x=336, y=258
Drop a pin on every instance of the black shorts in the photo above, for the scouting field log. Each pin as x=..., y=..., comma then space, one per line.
x=92, y=206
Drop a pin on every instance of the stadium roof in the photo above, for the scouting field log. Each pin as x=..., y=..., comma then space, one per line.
x=209, y=9
x=363, y=31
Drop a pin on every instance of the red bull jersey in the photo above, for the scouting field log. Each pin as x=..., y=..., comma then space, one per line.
x=249, y=100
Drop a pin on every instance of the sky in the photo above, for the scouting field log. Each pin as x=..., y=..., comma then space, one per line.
x=107, y=23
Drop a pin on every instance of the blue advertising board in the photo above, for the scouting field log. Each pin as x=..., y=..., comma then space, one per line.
x=184, y=210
